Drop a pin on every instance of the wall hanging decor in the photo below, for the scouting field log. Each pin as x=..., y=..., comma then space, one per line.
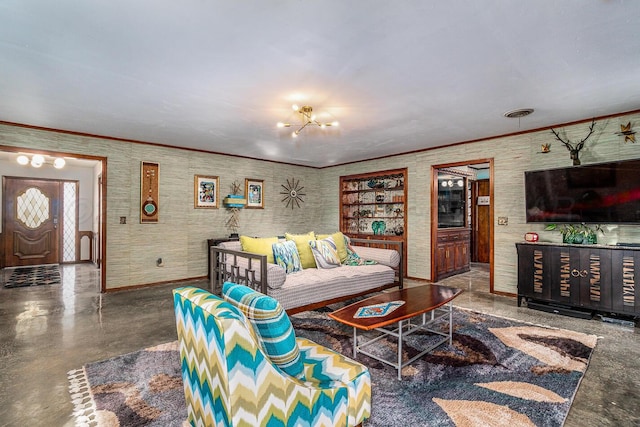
x=234, y=202
x=293, y=194
x=206, y=191
x=254, y=191
x=149, y=192
x=574, y=150
x=628, y=133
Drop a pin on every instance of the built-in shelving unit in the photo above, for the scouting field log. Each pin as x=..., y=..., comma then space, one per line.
x=373, y=206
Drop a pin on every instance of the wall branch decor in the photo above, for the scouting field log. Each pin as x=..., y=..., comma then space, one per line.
x=149, y=192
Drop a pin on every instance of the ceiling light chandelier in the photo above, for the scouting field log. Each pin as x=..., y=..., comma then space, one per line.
x=37, y=160
x=308, y=119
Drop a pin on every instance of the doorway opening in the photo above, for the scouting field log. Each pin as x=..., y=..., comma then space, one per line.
x=57, y=214
x=462, y=218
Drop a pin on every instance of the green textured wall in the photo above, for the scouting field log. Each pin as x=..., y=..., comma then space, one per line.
x=180, y=236
x=512, y=156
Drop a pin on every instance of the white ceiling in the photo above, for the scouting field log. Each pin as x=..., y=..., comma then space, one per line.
x=217, y=75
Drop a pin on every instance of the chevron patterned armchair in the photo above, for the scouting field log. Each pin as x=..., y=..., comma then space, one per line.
x=230, y=379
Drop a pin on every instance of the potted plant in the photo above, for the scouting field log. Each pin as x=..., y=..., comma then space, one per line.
x=590, y=232
x=577, y=234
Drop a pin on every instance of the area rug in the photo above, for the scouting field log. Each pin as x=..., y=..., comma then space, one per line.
x=498, y=372
x=33, y=276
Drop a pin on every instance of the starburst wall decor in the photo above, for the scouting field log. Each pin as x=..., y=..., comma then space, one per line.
x=292, y=193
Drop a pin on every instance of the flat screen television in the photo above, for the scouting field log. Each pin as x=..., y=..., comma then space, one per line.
x=598, y=193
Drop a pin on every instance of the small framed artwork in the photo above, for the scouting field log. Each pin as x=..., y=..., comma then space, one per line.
x=206, y=191
x=254, y=193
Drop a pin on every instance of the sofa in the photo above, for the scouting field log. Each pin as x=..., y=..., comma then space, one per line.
x=379, y=266
x=242, y=364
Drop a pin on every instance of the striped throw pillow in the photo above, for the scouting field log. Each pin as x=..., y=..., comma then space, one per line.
x=271, y=324
x=325, y=253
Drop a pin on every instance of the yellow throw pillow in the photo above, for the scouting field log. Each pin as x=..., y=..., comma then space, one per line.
x=259, y=245
x=338, y=239
x=302, y=243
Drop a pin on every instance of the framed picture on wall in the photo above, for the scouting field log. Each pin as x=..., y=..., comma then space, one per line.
x=206, y=191
x=254, y=193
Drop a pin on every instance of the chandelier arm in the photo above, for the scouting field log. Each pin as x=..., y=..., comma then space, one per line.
x=303, y=126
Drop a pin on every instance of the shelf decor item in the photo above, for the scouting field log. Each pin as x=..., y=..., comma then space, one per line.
x=206, y=191
x=254, y=191
x=149, y=192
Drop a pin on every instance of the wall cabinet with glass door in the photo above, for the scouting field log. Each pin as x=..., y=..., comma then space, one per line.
x=373, y=206
x=454, y=235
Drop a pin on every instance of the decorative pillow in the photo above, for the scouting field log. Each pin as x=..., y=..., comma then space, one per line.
x=352, y=257
x=338, y=239
x=271, y=324
x=259, y=245
x=302, y=243
x=325, y=253
x=286, y=256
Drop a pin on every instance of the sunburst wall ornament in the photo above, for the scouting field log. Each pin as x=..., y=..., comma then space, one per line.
x=292, y=193
x=629, y=135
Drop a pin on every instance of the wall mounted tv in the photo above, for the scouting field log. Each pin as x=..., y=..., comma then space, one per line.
x=598, y=193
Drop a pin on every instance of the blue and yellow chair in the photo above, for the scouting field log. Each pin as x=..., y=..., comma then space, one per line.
x=230, y=379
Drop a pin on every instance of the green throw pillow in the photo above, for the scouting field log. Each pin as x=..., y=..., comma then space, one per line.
x=259, y=245
x=304, y=250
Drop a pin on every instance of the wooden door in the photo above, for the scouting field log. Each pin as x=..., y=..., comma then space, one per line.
x=480, y=223
x=31, y=214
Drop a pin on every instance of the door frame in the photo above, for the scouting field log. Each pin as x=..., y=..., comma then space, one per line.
x=102, y=211
x=434, y=213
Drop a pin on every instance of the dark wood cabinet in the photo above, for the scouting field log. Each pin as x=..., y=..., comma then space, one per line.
x=452, y=252
x=600, y=278
x=373, y=206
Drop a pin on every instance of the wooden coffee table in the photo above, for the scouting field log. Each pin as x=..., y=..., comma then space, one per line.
x=434, y=300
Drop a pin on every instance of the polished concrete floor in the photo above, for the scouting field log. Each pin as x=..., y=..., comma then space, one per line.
x=46, y=331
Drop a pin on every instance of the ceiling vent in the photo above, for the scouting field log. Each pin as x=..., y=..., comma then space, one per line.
x=516, y=114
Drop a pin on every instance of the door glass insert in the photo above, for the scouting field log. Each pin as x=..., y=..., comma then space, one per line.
x=69, y=222
x=32, y=208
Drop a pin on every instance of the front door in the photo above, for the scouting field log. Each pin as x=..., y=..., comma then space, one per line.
x=31, y=212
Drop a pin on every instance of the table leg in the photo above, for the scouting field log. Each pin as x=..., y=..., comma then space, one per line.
x=355, y=342
x=400, y=350
x=450, y=323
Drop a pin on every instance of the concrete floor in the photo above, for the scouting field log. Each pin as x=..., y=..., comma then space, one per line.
x=46, y=331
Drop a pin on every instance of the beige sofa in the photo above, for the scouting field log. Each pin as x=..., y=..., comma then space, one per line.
x=312, y=287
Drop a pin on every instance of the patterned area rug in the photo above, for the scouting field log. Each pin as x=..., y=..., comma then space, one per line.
x=498, y=372
x=33, y=276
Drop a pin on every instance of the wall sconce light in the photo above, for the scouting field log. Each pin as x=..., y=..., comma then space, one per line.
x=37, y=160
x=307, y=118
